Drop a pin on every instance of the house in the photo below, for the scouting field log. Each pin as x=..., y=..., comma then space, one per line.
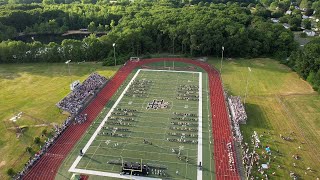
x=275, y=20
x=305, y=17
x=309, y=32
x=286, y=25
x=288, y=12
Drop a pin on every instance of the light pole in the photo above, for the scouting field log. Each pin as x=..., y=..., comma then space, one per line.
x=222, y=49
x=68, y=62
x=245, y=96
x=114, y=53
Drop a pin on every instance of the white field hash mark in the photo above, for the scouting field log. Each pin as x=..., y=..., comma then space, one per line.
x=117, y=175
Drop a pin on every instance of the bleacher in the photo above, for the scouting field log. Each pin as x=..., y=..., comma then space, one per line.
x=76, y=100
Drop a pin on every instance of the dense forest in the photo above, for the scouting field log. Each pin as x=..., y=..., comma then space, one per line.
x=192, y=28
x=142, y=29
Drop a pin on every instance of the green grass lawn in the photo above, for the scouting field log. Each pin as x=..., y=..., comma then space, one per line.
x=279, y=102
x=34, y=89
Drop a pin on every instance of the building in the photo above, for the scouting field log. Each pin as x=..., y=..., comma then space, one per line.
x=309, y=32
x=275, y=20
x=305, y=17
x=286, y=25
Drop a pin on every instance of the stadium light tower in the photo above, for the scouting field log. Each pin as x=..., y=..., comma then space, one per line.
x=222, y=49
x=245, y=96
x=68, y=62
x=114, y=53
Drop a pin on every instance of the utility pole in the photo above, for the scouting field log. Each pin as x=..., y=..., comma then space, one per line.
x=68, y=62
x=114, y=53
x=222, y=49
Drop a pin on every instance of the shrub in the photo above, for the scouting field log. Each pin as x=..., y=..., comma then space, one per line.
x=10, y=172
x=29, y=149
x=37, y=140
x=44, y=132
x=303, y=35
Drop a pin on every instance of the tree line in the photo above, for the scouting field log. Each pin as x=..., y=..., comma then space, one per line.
x=147, y=28
x=306, y=62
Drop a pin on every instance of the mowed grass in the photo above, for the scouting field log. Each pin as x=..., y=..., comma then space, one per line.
x=34, y=89
x=278, y=102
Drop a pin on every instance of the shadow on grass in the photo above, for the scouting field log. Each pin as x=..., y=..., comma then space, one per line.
x=256, y=120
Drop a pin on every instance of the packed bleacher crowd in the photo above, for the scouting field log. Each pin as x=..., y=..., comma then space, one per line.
x=238, y=112
x=238, y=115
x=72, y=103
x=76, y=99
x=43, y=149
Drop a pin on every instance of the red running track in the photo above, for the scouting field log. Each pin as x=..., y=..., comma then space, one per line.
x=47, y=167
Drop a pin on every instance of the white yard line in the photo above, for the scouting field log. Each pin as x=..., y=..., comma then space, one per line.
x=171, y=71
x=209, y=126
x=199, y=171
x=93, y=155
x=86, y=147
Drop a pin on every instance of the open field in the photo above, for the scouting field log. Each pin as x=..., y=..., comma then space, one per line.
x=278, y=102
x=34, y=89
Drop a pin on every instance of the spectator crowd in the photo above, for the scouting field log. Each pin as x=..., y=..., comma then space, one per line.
x=252, y=158
x=231, y=156
x=43, y=149
x=238, y=112
x=238, y=115
x=72, y=103
x=81, y=118
x=76, y=99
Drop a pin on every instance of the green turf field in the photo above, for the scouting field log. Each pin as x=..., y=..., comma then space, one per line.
x=278, y=102
x=34, y=89
x=148, y=133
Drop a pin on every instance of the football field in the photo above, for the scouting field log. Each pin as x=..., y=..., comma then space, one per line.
x=155, y=121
